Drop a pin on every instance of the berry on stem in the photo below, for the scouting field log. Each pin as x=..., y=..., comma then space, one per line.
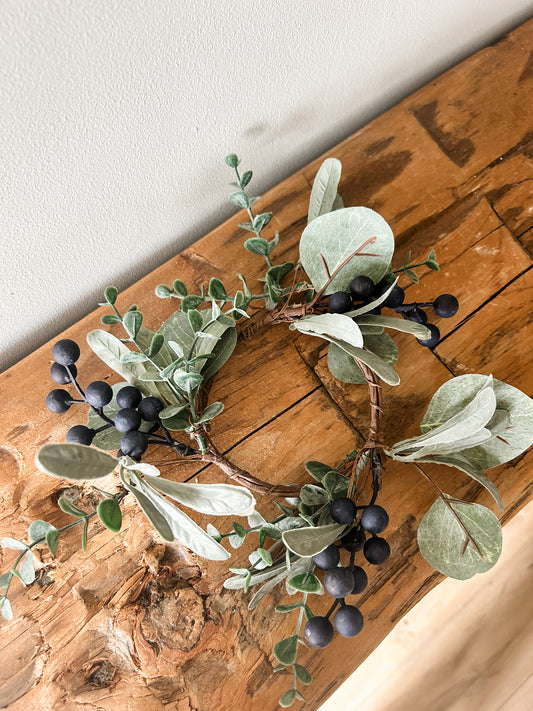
x=59, y=373
x=343, y=510
x=58, y=401
x=318, y=632
x=340, y=302
x=374, y=519
x=446, y=305
x=149, y=408
x=339, y=582
x=360, y=579
x=395, y=298
x=129, y=396
x=348, y=621
x=127, y=420
x=134, y=443
x=362, y=288
x=328, y=558
x=376, y=550
x=98, y=394
x=80, y=434
x=354, y=540
x=66, y=351
x=432, y=341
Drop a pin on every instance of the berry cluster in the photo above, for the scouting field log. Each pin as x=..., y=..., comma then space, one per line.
x=340, y=581
x=363, y=290
x=134, y=409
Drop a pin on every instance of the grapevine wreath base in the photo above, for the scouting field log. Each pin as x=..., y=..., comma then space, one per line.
x=329, y=534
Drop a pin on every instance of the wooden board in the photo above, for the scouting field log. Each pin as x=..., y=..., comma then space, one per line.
x=135, y=624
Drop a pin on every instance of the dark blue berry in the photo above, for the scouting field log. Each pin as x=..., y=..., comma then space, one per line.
x=328, y=558
x=340, y=302
x=98, y=394
x=149, y=408
x=360, y=579
x=362, y=288
x=376, y=550
x=354, y=540
x=129, y=396
x=374, y=519
x=318, y=632
x=339, y=582
x=58, y=401
x=59, y=373
x=127, y=419
x=134, y=443
x=434, y=338
x=446, y=305
x=343, y=510
x=395, y=298
x=80, y=434
x=66, y=352
x=348, y=621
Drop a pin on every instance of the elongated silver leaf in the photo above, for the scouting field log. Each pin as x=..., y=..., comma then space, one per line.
x=334, y=325
x=380, y=367
x=299, y=566
x=153, y=513
x=373, y=304
x=183, y=528
x=239, y=582
x=214, y=499
x=27, y=569
x=77, y=462
x=449, y=549
x=343, y=367
x=310, y=540
x=418, y=330
x=324, y=189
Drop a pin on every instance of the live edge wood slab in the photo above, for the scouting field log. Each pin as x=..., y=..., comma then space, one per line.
x=135, y=624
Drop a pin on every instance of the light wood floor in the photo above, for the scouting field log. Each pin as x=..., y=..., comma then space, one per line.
x=468, y=646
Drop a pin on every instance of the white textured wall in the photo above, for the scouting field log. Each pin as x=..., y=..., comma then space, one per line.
x=116, y=114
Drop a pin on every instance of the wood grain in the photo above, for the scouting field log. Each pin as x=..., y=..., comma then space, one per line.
x=136, y=624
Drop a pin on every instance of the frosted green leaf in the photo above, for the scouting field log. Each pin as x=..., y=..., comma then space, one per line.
x=76, y=462
x=214, y=499
x=418, y=330
x=335, y=326
x=310, y=540
x=13, y=544
x=27, y=569
x=335, y=236
x=37, y=530
x=460, y=539
x=7, y=611
x=324, y=191
x=503, y=446
x=343, y=367
x=372, y=304
x=285, y=650
x=313, y=495
x=299, y=566
x=306, y=582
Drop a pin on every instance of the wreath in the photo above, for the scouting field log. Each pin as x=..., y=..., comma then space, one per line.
x=329, y=533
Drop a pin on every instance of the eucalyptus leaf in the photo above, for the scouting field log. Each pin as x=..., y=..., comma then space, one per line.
x=337, y=326
x=335, y=236
x=454, y=395
x=444, y=543
x=52, y=538
x=309, y=541
x=38, y=529
x=5, y=579
x=285, y=650
x=257, y=245
x=26, y=569
x=237, y=583
x=132, y=322
x=70, y=508
x=214, y=499
x=110, y=514
x=7, y=610
x=211, y=411
x=303, y=675
x=195, y=319
x=76, y=462
x=187, y=381
x=324, y=191
x=343, y=367
x=288, y=698
x=216, y=290
x=306, y=582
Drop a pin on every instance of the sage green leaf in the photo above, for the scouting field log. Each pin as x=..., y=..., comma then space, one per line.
x=336, y=485
x=306, y=582
x=195, y=319
x=261, y=221
x=172, y=410
x=183, y=528
x=222, y=352
x=111, y=294
x=162, y=291
x=156, y=345
x=52, y=538
x=140, y=467
x=179, y=421
x=313, y=495
x=214, y=499
x=211, y=411
x=324, y=190
x=145, y=338
x=71, y=509
x=5, y=579
x=278, y=576
x=217, y=290
x=289, y=608
x=239, y=198
x=192, y=301
x=245, y=178
x=7, y=610
x=13, y=544
x=285, y=650
x=214, y=533
x=454, y=395
x=110, y=514
x=279, y=271
x=187, y=381
x=110, y=350
x=110, y=319
x=343, y=367
x=266, y=556
x=180, y=288
x=458, y=461
x=338, y=203
x=76, y=462
x=152, y=512
x=257, y=245
x=288, y=698
x=337, y=235
x=459, y=538
x=133, y=357
x=237, y=583
x=303, y=675
x=27, y=569
x=378, y=365
x=334, y=326
x=132, y=322
x=38, y=529
x=310, y=540
x=318, y=470
x=418, y=330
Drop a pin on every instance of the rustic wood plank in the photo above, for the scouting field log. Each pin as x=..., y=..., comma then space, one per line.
x=160, y=632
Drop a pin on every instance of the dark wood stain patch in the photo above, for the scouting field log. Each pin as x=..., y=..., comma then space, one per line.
x=372, y=176
x=459, y=150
